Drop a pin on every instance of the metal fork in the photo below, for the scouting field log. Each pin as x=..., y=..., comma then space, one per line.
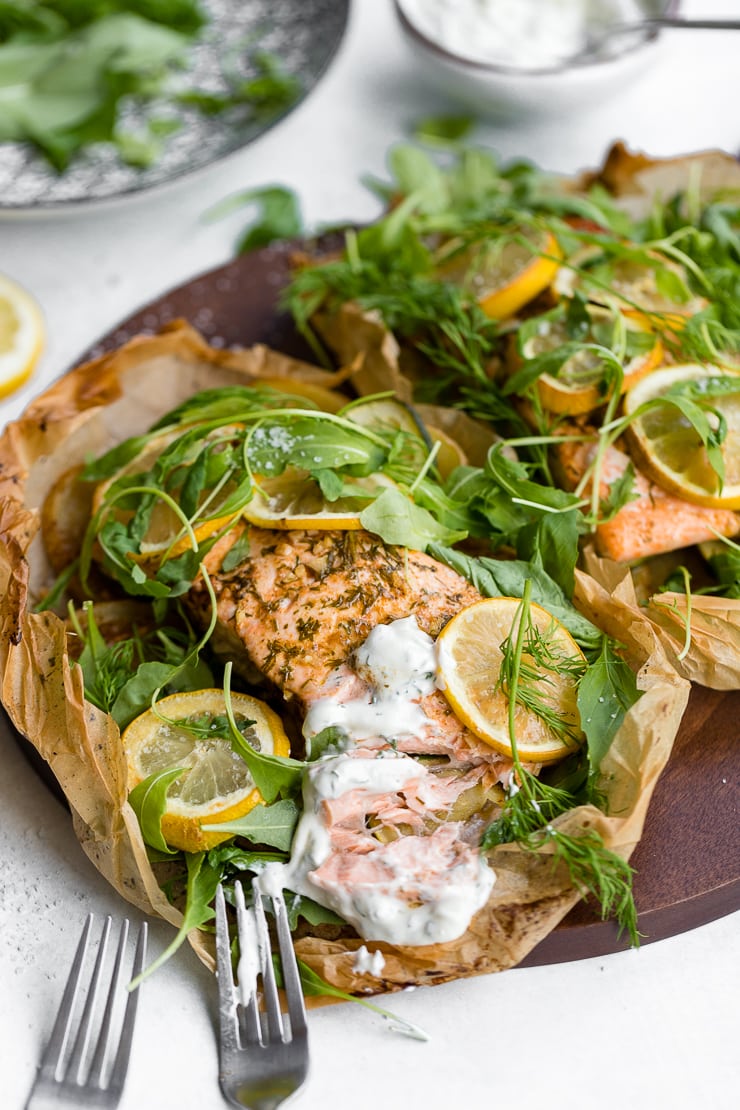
x=263, y=1060
x=67, y=1077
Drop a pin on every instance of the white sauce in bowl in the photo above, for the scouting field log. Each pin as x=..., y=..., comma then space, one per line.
x=522, y=34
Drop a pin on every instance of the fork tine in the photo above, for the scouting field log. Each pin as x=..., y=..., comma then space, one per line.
x=120, y=1066
x=54, y=1052
x=82, y=1040
x=96, y=1068
x=229, y=1039
x=269, y=984
x=291, y=975
x=246, y=924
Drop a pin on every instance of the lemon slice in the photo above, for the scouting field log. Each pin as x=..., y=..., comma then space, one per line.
x=507, y=272
x=576, y=389
x=631, y=286
x=215, y=785
x=22, y=335
x=295, y=500
x=165, y=533
x=469, y=665
x=669, y=450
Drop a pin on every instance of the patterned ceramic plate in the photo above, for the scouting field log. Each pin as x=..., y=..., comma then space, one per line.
x=303, y=34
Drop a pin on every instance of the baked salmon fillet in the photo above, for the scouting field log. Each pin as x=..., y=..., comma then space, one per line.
x=343, y=626
x=654, y=522
x=297, y=608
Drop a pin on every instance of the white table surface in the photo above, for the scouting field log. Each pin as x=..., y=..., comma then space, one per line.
x=648, y=1028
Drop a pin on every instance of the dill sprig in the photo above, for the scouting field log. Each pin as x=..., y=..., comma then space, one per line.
x=532, y=664
x=531, y=806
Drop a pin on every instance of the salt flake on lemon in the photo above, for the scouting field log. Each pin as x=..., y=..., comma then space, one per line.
x=470, y=658
x=22, y=335
x=215, y=785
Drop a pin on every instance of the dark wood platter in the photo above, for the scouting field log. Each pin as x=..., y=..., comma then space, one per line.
x=688, y=861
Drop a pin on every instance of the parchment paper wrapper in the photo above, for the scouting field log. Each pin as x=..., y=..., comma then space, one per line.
x=700, y=634
x=98, y=405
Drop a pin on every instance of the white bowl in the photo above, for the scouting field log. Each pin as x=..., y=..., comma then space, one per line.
x=505, y=91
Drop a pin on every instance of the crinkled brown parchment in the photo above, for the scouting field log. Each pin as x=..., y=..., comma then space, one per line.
x=98, y=405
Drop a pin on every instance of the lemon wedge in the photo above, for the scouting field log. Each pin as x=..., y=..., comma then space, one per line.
x=215, y=785
x=668, y=449
x=469, y=665
x=22, y=334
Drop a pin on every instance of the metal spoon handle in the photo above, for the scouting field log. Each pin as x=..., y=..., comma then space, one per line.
x=692, y=24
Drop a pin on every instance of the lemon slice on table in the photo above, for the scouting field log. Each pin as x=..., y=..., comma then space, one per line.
x=506, y=272
x=469, y=665
x=668, y=449
x=576, y=388
x=22, y=334
x=294, y=500
x=166, y=533
x=215, y=785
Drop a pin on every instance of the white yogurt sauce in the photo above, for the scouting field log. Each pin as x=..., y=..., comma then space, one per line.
x=525, y=34
x=368, y=963
x=398, y=662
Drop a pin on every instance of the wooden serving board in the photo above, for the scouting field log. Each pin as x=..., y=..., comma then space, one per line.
x=688, y=861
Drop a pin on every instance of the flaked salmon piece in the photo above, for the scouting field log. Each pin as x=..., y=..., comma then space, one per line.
x=411, y=868
x=654, y=522
x=425, y=884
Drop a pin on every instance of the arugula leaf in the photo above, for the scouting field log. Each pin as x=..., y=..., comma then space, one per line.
x=397, y=520
x=277, y=215
x=203, y=879
x=550, y=544
x=329, y=739
x=149, y=802
x=189, y=673
x=298, y=905
x=443, y=130
x=70, y=93
x=272, y=774
x=508, y=578
x=313, y=984
x=273, y=824
x=605, y=693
